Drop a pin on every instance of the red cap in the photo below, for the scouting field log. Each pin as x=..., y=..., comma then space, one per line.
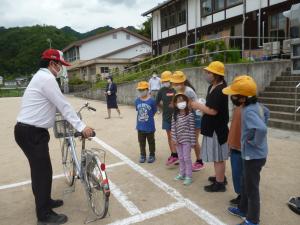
x=55, y=55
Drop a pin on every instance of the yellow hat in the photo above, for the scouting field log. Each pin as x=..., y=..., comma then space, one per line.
x=178, y=77
x=142, y=85
x=216, y=67
x=165, y=76
x=241, y=85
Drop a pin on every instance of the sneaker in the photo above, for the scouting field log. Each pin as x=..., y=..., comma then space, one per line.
x=172, y=160
x=142, y=159
x=187, y=181
x=246, y=222
x=179, y=177
x=53, y=218
x=235, y=201
x=294, y=204
x=151, y=159
x=236, y=212
x=213, y=180
x=197, y=166
x=215, y=187
x=56, y=203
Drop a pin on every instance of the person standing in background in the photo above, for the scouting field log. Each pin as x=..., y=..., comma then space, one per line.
x=111, y=97
x=154, y=85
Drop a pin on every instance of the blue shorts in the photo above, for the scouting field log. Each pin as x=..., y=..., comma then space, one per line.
x=198, y=119
x=166, y=125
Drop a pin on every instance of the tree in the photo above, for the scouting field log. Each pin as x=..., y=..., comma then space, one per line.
x=145, y=28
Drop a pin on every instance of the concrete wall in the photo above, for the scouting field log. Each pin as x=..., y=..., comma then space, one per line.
x=262, y=72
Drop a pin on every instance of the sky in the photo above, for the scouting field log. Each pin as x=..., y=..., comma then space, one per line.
x=81, y=15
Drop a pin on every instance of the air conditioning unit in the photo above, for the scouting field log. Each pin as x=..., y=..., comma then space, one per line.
x=286, y=46
x=275, y=48
x=267, y=48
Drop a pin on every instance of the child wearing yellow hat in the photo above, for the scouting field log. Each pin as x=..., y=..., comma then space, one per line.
x=165, y=96
x=214, y=125
x=182, y=85
x=146, y=109
x=254, y=146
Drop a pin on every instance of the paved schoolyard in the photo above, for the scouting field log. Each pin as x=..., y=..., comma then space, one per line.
x=142, y=193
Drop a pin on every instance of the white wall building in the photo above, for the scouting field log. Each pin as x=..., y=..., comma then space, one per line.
x=177, y=23
x=100, y=54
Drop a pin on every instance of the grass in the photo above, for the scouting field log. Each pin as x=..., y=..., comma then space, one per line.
x=11, y=92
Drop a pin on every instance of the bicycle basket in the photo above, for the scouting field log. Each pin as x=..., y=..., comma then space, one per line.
x=62, y=128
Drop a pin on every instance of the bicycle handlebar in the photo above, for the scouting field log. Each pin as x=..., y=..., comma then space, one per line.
x=87, y=105
x=79, y=134
x=91, y=108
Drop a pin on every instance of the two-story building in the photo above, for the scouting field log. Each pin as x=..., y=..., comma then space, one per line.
x=177, y=23
x=101, y=54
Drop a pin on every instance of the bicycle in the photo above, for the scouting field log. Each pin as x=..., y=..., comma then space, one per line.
x=90, y=168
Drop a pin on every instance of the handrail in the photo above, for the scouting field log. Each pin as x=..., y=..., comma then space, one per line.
x=195, y=44
x=296, y=98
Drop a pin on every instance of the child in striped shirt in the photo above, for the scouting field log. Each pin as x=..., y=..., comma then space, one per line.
x=183, y=136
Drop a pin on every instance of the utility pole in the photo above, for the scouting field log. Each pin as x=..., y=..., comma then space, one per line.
x=243, y=28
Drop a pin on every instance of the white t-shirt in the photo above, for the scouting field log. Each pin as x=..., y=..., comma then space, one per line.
x=41, y=99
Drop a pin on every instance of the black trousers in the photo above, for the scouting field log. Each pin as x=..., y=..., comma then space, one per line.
x=250, y=199
x=142, y=136
x=34, y=143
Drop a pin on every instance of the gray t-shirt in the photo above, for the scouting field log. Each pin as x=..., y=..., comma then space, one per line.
x=190, y=93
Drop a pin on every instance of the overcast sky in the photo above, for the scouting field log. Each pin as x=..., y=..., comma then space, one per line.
x=81, y=15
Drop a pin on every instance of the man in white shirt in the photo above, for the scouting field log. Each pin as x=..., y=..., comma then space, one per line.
x=154, y=85
x=40, y=101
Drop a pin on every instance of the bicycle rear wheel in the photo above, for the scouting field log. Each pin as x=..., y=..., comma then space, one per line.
x=98, y=188
x=68, y=163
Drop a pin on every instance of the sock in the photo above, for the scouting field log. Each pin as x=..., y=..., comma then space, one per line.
x=199, y=161
x=174, y=154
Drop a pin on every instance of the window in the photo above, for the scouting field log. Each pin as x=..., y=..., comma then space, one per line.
x=104, y=69
x=128, y=36
x=233, y=2
x=206, y=7
x=115, y=36
x=173, y=15
x=278, y=26
x=219, y=5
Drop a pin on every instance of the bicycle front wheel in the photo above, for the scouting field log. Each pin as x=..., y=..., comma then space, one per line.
x=68, y=163
x=98, y=188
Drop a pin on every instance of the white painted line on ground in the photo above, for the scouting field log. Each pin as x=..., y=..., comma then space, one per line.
x=123, y=199
x=196, y=209
x=150, y=214
x=14, y=185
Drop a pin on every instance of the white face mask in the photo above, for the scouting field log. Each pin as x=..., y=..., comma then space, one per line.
x=154, y=75
x=142, y=93
x=166, y=84
x=109, y=81
x=181, y=105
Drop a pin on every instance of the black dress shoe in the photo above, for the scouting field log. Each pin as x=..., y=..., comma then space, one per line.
x=56, y=203
x=235, y=201
x=215, y=187
x=213, y=180
x=53, y=218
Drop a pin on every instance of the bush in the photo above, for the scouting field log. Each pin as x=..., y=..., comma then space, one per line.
x=75, y=81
